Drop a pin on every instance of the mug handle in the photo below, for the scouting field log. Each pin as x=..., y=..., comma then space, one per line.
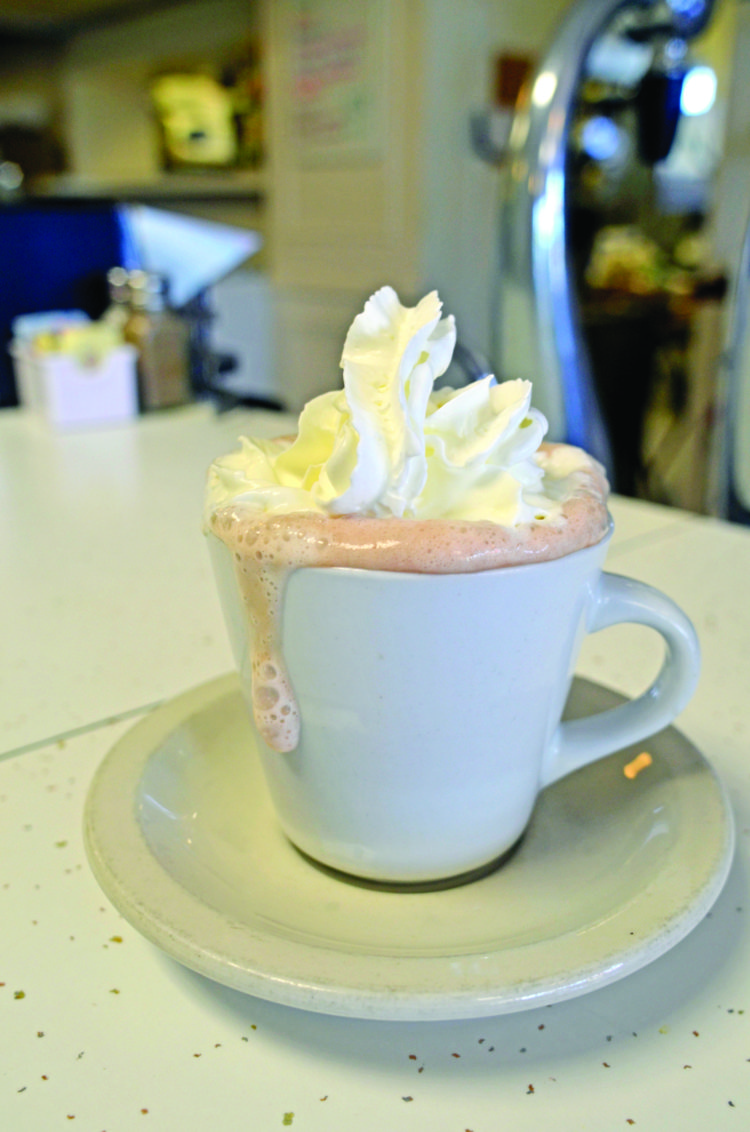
x=580, y=741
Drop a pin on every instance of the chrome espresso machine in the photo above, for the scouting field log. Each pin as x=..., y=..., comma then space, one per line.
x=539, y=311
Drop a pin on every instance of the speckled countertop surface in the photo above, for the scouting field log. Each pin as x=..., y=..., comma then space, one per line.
x=108, y=608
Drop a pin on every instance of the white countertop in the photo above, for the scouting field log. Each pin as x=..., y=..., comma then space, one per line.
x=109, y=599
x=108, y=608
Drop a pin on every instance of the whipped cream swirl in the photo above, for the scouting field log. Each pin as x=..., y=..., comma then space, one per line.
x=389, y=445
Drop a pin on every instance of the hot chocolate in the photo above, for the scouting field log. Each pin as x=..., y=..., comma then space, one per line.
x=390, y=475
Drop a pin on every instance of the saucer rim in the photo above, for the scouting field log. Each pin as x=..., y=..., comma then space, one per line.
x=126, y=869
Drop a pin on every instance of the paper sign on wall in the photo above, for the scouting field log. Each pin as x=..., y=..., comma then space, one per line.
x=337, y=80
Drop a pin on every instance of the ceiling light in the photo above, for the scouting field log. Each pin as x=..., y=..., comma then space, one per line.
x=698, y=91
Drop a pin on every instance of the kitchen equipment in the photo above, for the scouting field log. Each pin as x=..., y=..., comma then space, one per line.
x=540, y=335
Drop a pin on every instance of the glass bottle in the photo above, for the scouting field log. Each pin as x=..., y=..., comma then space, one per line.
x=161, y=337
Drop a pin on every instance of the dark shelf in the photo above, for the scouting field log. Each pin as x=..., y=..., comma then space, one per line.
x=229, y=184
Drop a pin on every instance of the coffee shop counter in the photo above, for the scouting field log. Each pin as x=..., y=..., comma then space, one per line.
x=108, y=610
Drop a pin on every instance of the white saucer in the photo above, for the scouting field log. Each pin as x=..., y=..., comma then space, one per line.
x=612, y=872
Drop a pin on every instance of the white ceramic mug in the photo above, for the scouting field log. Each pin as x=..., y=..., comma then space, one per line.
x=430, y=704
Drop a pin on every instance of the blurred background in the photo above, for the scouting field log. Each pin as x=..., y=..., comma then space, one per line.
x=574, y=179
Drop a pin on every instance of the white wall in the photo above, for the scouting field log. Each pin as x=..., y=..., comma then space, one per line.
x=525, y=25
x=343, y=221
x=459, y=189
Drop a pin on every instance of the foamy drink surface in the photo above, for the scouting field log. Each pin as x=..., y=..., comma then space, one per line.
x=388, y=474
